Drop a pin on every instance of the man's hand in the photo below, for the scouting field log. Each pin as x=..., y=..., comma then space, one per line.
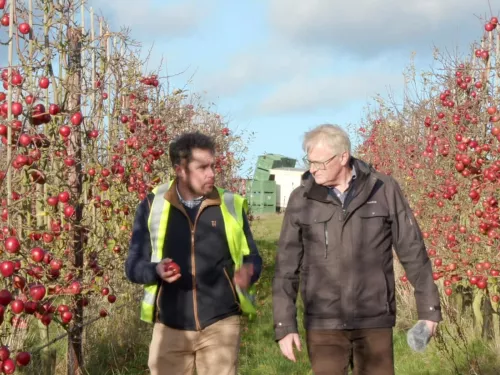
x=168, y=276
x=286, y=345
x=243, y=275
x=432, y=326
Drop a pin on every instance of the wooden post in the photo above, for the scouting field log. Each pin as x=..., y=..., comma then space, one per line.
x=75, y=181
x=9, y=110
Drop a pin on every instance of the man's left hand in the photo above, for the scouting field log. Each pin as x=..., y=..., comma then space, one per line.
x=243, y=275
x=432, y=326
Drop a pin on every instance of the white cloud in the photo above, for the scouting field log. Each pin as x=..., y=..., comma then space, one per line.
x=368, y=27
x=154, y=19
x=267, y=64
x=304, y=93
x=307, y=37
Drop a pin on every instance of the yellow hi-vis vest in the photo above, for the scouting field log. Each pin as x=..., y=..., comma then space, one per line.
x=232, y=206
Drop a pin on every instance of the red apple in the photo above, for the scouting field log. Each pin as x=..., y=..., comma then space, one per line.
x=66, y=316
x=37, y=254
x=24, y=28
x=17, y=108
x=171, y=266
x=56, y=264
x=47, y=237
x=64, y=196
x=75, y=287
x=30, y=307
x=77, y=118
x=65, y=131
x=7, y=268
x=5, y=297
x=46, y=319
x=69, y=211
x=25, y=140
x=12, y=245
x=62, y=308
x=37, y=292
x=17, y=306
x=8, y=366
x=4, y=353
x=23, y=358
x=52, y=201
x=54, y=109
x=44, y=83
x=481, y=284
x=5, y=20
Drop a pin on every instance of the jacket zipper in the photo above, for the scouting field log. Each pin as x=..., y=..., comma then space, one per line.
x=326, y=240
x=232, y=287
x=193, y=266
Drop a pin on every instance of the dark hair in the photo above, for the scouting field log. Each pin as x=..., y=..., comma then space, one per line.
x=182, y=147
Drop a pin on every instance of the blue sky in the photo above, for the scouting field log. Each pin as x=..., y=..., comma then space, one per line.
x=280, y=67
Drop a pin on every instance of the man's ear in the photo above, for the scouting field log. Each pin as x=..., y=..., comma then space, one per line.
x=181, y=170
x=344, y=158
x=178, y=170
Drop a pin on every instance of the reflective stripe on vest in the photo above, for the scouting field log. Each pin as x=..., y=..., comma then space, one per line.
x=232, y=206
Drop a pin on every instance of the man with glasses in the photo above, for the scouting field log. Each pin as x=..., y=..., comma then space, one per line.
x=336, y=244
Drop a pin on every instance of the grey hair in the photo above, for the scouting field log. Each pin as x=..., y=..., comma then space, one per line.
x=329, y=135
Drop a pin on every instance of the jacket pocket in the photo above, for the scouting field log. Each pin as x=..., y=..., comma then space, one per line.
x=321, y=292
x=157, y=302
x=233, y=289
x=373, y=213
x=370, y=230
x=316, y=238
x=372, y=295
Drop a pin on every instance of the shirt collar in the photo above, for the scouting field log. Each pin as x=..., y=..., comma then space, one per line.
x=192, y=203
x=353, y=177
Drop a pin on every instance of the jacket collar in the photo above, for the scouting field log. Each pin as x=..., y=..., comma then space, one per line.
x=321, y=193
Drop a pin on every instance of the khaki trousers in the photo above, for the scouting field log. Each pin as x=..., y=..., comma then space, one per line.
x=214, y=350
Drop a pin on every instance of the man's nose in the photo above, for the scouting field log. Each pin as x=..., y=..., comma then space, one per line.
x=211, y=173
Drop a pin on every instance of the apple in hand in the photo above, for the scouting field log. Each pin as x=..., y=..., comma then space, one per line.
x=171, y=266
x=168, y=270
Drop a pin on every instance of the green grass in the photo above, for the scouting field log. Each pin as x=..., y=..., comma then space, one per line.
x=118, y=345
x=259, y=354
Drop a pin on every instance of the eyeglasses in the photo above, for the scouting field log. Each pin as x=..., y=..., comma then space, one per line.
x=319, y=165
